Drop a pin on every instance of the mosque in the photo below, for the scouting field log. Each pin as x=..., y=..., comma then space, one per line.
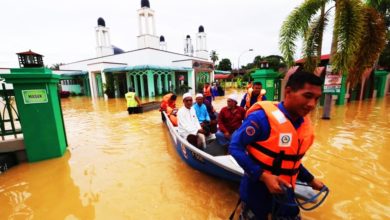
x=150, y=69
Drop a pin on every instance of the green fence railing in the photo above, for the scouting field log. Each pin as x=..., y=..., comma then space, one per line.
x=9, y=117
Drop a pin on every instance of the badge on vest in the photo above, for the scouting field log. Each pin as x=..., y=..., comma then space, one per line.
x=285, y=139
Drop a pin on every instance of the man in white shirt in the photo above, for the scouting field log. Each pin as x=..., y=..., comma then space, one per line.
x=188, y=124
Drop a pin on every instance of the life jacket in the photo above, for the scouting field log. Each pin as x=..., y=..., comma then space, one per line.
x=165, y=102
x=171, y=116
x=282, y=152
x=206, y=91
x=248, y=99
x=130, y=97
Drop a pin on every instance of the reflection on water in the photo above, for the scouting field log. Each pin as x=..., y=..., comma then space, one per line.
x=124, y=167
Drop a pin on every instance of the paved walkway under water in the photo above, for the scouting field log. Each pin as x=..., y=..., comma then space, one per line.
x=124, y=167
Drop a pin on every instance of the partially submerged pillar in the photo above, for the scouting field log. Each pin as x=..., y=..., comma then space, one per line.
x=40, y=113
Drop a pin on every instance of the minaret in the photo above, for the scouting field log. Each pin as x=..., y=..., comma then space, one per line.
x=201, y=44
x=163, y=44
x=103, y=42
x=188, y=48
x=147, y=28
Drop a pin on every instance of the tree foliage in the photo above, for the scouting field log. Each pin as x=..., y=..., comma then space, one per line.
x=56, y=66
x=354, y=37
x=225, y=65
x=214, y=56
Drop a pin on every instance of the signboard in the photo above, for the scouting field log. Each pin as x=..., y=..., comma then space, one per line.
x=269, y=84
x=332, y=82
x=34, y=96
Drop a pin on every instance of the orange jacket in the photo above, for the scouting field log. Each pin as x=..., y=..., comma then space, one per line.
x=166, y=102
x=248, y=99
x=282, y=152
x=207, y=91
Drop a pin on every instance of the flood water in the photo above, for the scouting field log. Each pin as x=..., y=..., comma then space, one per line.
x=125, y=167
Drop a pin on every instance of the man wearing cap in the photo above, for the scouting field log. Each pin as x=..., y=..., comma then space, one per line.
x=188, y=123
x=202, y=114
x=229, y=119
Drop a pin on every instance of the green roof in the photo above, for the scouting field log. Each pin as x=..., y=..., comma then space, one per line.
x=146, y=67
x=221, y=72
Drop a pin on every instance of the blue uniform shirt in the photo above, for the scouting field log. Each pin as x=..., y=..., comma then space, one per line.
x=256, y=128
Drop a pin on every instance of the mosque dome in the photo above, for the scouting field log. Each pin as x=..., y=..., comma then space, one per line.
x=101, y=22
x=117, y=50
x=188, y=37
x=201, y=29
x=145, y=3
x=162, y=38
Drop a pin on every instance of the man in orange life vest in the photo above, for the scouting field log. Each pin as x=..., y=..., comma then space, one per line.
x=253, y=95
x=168, y=104
x=270, y=145
x=207, y=92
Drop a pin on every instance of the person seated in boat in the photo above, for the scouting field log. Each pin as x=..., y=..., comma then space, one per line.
x=188, y=124
x=269, y=146
x=253, y=96
x=203, y=115
x=168, y=105
x=212, y=114
x=133, y=102
x=229, y=119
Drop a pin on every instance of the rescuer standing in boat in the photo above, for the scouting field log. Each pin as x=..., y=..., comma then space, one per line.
x=269, y=147
x=133, y=102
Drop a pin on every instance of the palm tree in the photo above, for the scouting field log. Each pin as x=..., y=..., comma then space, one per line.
x=214, y=56
x=352, y=24
x=56, y=66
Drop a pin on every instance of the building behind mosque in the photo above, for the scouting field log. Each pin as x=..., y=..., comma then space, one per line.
x=151, y=69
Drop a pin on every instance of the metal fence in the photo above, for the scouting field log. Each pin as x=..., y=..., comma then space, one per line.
x=9, y=117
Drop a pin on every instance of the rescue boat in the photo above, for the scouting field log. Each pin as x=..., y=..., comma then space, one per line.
x=214, y=160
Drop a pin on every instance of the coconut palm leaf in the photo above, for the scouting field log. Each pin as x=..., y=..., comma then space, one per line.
x=347, y=33
x=313, y=39
x=371, y=45
x=296, y=25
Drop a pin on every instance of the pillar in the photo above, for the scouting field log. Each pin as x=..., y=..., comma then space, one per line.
x=128, y=81
x=136, y=84
x=191, y=81
x=150, y=83
x=142, y=85
x=40, y=114
x=166, y=85
x=159, y=84
x=173, y=81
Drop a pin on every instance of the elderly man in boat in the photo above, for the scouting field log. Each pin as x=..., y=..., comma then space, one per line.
x=204, y=116
x=188, y=124
x=229, y=120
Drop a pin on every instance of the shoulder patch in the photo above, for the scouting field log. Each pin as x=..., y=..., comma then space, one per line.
x=250, y=131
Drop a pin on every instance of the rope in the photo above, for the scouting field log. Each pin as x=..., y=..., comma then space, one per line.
x=283, y=199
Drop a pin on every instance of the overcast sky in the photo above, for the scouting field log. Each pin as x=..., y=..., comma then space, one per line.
x=64, y=31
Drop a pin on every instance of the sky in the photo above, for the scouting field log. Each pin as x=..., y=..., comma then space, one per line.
x=64, y=31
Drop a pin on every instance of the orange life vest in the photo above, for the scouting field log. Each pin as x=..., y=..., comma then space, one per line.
x=171, y=116
x=248, y=99
x=282, y=152
x=165, y=102
x=206, y=91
